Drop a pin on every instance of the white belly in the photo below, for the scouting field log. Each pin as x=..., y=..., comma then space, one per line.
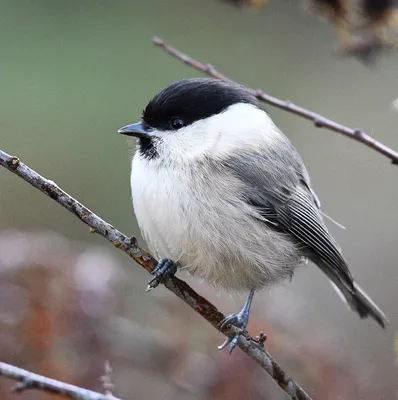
x=216, y=240
x=158, y=199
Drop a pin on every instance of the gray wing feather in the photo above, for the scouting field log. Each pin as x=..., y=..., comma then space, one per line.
x=281, y=193
x=276, y=184
x=306, y=225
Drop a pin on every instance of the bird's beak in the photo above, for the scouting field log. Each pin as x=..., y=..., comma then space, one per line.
x=137, y=130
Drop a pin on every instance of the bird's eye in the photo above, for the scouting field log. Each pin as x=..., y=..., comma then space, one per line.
x=176, y=123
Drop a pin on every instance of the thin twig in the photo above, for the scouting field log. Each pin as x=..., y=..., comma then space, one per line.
x=106, y=380
x=28, y=380
x=181, y=289
x=318, y=120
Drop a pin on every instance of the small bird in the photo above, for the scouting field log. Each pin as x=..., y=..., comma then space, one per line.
x=220, y=192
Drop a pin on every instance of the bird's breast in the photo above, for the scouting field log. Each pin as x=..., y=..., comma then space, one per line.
x=197, y=220
x=161, y=205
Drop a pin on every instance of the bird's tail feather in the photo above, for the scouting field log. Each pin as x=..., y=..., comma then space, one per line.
x=356, y=298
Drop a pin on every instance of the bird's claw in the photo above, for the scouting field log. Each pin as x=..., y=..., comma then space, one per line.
x=224, y=344
x=165, y=267
x=239, y=321
x=233, y=342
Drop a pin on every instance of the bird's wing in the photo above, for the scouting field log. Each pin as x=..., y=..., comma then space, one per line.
x=282, y=196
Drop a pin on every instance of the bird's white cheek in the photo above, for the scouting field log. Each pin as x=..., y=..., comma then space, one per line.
x=241, y=126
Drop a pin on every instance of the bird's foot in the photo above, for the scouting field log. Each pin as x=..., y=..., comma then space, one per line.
x=165, y=267
x=240, y=321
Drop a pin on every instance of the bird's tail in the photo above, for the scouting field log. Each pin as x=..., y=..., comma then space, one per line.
x=356, y=298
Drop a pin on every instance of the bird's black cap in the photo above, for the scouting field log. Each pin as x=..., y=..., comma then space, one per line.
x=182, y=103
x=190, y=100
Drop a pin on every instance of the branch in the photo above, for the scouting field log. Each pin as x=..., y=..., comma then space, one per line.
x=250, y=346
x=29, y=380
x=318, y=120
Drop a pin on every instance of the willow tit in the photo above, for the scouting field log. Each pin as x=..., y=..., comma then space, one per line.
x=219, y=191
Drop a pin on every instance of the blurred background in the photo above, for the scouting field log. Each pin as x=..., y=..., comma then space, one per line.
x=73, y=72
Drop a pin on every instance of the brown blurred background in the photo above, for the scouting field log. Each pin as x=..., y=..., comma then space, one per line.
x=71, y=74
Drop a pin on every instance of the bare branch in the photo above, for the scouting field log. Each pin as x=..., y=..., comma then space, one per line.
x=318, y=120
x=250, y=346
x=28, y=380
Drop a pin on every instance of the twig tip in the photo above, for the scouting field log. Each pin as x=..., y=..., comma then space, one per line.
x=106, y=379
x=157, y=40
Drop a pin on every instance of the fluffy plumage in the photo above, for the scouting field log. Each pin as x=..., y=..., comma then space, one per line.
x=228, y=196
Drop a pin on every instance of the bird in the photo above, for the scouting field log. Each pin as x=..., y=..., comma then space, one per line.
x=220, y=192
